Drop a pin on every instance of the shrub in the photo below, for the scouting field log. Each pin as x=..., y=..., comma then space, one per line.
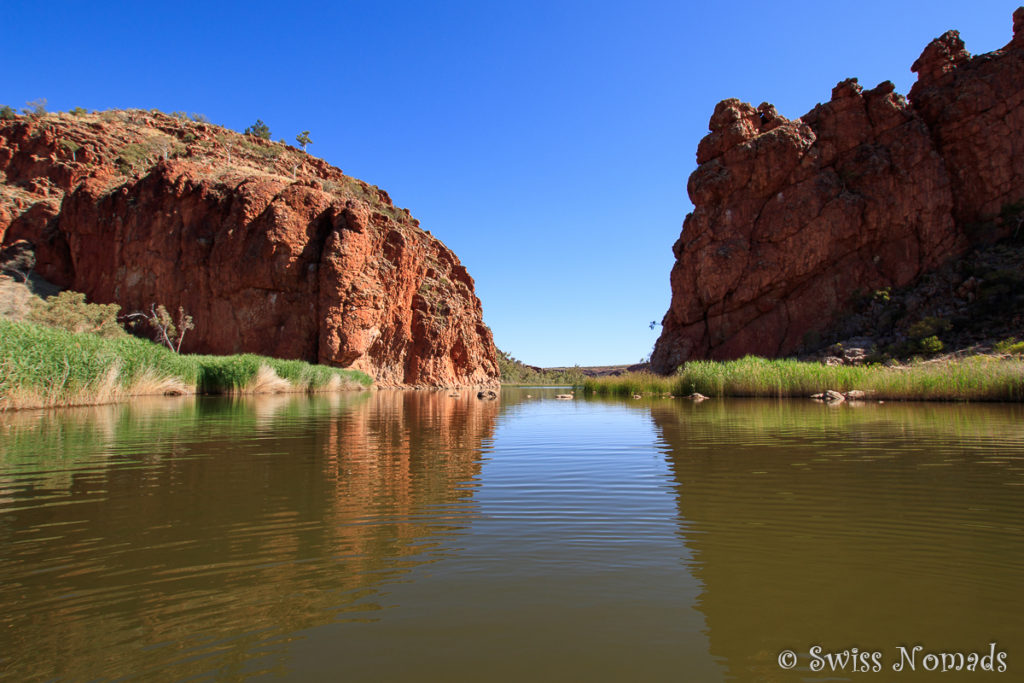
x=930, y=345
x=142, y=153
x=6, y=113
x=267, y=152
x=929, y=327
x=35, y=107
x=78, y=111
x=169, y=332
x=1010, y=346
x=18, y=258
x=71, y=146
x=131, y=155
x=69, y=311
x=259, y=130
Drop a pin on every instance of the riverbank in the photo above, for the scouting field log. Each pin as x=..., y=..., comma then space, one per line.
x=43, y=367
x=975, y=378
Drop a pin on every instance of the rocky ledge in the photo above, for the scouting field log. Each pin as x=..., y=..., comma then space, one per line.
x=271, y=250
x=795, y=218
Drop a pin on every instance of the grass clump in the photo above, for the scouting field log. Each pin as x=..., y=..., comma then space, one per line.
x=979, y=378
x=42, y=366
x=249, y=373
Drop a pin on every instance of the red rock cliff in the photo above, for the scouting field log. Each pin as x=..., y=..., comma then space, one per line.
x=866, y=191
x=270, y=250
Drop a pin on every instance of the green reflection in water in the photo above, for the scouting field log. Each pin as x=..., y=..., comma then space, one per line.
x=871, y=527
x=415, y=536
x=186, y=538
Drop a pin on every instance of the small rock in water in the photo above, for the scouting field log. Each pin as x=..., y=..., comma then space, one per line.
x=697, y=397
x=487, y=395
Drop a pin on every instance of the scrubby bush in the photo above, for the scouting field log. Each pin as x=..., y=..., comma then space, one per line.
x=6, y=113
x=929, y=327
x=132, y=155
x=929, y=345
x=71, y=146
x=18, y=259
x=35, y=107
x=168, y=331
x=69, y=311
x=1010, y=346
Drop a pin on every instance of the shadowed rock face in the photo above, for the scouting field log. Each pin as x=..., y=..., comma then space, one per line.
x=792, y=217
x=270, y=250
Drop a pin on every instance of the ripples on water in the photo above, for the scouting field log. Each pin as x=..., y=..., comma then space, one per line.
x=413, y=536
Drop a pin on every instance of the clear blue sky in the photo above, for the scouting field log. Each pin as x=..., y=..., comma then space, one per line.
x=547, y=143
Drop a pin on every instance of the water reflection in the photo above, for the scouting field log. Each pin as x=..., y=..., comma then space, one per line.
x=868, y=527
x=196, y=538
x=416, y=536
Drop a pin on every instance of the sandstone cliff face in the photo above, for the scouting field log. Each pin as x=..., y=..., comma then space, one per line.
x=791, y=218
x=270, y=250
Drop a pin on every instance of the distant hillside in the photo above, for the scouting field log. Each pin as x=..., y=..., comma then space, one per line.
x=516, y=372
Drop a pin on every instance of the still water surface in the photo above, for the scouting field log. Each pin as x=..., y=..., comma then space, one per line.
x=413, y=536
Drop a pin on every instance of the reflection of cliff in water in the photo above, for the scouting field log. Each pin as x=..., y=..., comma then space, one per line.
x=867, y=527
x=202, y=537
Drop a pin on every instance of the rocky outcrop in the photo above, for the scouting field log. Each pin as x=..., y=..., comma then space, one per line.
x=270, y=250
x=792, y=218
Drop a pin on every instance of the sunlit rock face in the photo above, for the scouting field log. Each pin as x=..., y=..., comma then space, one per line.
x=793, y=218
x=270, y=250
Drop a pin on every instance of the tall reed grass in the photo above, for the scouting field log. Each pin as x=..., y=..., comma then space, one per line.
x=43, y=366
x=978, y=378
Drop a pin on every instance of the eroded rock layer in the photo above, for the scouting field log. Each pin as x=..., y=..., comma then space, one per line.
x=794, y=217
x=269, y=249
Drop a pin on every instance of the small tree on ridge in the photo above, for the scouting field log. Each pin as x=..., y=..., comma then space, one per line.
x=259, y=130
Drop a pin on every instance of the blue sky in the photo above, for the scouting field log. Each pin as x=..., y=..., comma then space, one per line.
x=547, y=143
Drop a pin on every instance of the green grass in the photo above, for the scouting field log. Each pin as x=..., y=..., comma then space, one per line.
x=43, y=366
x=980, y=378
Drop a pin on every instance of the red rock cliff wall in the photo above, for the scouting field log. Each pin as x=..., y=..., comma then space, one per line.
x=315, y=266
x=792, y=217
